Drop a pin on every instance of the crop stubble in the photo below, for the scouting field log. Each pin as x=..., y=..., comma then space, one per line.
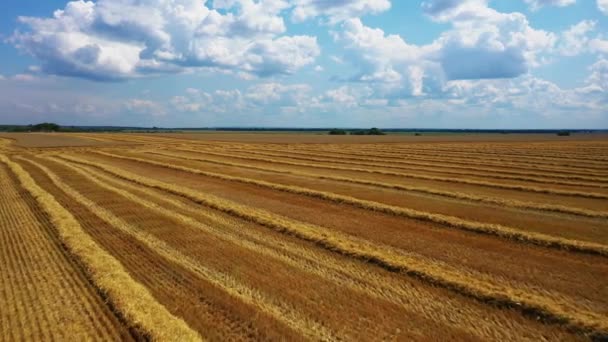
x=246, y=240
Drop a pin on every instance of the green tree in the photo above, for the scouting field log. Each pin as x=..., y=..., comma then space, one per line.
x=336, y=131
x=45, y=127
x=375, y=131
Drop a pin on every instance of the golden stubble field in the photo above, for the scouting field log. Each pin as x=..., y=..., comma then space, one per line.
x=303, y=237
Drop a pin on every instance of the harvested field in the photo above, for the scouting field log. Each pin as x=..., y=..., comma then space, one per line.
x=231, y=236
x=50, y=140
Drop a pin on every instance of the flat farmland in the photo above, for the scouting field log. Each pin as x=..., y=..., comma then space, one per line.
x=231, y=236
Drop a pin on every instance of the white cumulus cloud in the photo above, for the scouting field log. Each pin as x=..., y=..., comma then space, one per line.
x=385, y=60
x=144, y=106
x=481, y=43
x=485, y=43
x=254, y=99
x=599, y=45
x=337, y=11
x=575, y=40
x=602, y=5
x=536, y=4
x=599, y=76
x=119, y=39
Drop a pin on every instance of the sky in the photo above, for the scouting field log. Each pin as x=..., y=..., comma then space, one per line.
x=491, y=64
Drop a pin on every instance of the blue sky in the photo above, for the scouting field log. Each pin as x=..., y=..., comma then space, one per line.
x=306, y=63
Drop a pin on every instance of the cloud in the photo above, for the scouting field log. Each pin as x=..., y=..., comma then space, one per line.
x=599, y=45
x=456, y=10
x=259, y=98
x=143, y=106
x=271, y=98
x=218, y=101
x=481, y=103
x=482, y=62
x=387, y=61
x=434, y=8
x=523, y=93
x=523, y=97
x=337, y=11
x=24, y=78
x=599, y=76
x=575, y=40
x=537, y=4
x=252, y=17
x=55, y=101
x=111, y=40
x=461, y=62
x=534, y=95
x=482, y=36
x=578, y=40
x=278, y=94
x=344, y=97
x=602, y=5
x=482, y=43
x=280, y=56
x=336, y=59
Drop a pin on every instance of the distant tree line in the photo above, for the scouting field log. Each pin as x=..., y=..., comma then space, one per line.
x=53, y=127
x=41, y=127
x=371, y=131
x=47, y=127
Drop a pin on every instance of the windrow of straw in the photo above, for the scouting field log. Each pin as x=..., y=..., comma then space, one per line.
x=500, y=163
x=492, y=157
x=42, y=286
x=410, y=162
x=348, y=275
x=133, y=300
x=428, y=168
x=494, y=160
x=526, y=188
x=514, y=154
x=513, y=234
x=280, y=311
x=480, y=288
x=418, y=189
